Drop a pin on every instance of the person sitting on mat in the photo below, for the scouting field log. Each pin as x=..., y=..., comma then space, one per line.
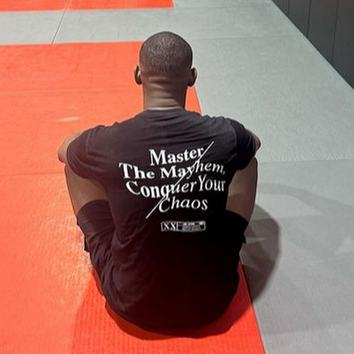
x=163, y=199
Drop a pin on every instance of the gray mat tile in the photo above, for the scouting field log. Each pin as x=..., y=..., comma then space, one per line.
x=299, y=260
x=281, y=88
x=29, y=27
x=215, y=3
x=131, y=25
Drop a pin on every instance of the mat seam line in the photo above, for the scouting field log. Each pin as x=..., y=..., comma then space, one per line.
x=61, y=22
x=108, y=41
x=295, y=35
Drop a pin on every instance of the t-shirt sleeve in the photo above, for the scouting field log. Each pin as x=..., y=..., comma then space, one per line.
x=245, y=144
x=86, y=155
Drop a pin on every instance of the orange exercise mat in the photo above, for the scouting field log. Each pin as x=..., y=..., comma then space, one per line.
x=49, y=300
x=51, y=5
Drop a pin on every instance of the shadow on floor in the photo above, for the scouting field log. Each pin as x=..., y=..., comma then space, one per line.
x=262, y=249
x=314, y=288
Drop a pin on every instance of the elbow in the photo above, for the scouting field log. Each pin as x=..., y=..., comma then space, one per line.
x=254, y=163
x=61, y=155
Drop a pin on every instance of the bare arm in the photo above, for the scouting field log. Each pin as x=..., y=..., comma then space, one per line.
x=64, y=146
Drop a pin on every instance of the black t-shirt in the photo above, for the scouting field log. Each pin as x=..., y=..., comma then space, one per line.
x=167, y=175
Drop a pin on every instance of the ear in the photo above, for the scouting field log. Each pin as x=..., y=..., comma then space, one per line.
x=137, y=75
x=192, y=77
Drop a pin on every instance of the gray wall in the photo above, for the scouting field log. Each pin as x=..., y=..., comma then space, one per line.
x=329, y=25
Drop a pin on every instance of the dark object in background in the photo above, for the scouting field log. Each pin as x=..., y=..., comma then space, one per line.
x=329, y=26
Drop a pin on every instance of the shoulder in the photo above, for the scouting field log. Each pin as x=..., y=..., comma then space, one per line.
x=224, y=123
x=103, y=132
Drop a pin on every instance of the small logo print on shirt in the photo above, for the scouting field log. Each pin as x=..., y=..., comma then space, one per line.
x=183, y=226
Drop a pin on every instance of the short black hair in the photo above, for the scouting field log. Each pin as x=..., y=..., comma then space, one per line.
x=166, y=54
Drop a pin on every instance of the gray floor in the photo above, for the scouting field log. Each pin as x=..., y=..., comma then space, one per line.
x=255, y=66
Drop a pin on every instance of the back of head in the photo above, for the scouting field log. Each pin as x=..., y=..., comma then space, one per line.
x=166, y=54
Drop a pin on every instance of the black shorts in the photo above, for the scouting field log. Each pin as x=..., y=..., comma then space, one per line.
x=96, y=222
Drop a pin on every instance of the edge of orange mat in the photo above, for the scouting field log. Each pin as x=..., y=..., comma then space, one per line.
x=64, y=5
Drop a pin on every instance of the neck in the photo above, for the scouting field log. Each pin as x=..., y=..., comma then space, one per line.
x=162, y=97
